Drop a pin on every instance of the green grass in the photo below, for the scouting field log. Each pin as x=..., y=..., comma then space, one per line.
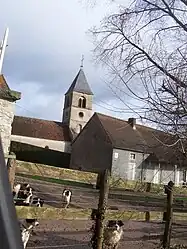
x=57, y=181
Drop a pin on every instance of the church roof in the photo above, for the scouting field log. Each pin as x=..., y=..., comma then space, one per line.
x=80, y=84
x=39, y=128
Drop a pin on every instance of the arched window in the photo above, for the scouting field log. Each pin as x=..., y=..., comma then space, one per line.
x=82, y=102
x=80, y=128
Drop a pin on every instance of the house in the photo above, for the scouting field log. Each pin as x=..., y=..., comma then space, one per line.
x=8, y=98
x=129, y=150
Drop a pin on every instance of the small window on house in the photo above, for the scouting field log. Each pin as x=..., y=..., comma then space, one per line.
x=132, y=156
x=116, y=155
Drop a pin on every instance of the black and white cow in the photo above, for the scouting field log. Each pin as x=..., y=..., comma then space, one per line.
x=66, y=196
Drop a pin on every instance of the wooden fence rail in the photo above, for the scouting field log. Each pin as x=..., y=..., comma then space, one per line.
x=85, y=214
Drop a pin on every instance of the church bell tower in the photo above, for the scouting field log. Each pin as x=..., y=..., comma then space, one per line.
x=78, y=104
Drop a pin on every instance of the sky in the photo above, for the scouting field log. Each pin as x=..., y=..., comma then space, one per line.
x=46, y=41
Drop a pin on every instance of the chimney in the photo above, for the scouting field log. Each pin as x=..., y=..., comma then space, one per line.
x=132, y=122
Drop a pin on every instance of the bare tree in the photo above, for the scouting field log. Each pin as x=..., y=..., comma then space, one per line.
x=145, y=48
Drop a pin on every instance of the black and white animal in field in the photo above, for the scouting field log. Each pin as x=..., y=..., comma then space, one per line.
x=112, y=234
x=38, y=202
x=66, y=196
x=26, y=232
x=20, y=187
x=24, y=196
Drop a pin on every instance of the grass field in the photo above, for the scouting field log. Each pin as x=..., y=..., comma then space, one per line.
x=57, y=181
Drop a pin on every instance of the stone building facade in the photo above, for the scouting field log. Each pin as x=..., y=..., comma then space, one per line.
x=8, y=98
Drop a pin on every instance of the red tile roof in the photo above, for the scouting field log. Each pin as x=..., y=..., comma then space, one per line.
x=3, y=83
x=39, y=128
x=142, y=139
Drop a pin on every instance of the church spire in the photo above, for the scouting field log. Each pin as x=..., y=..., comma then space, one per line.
x=80, y=83
x=82, y=61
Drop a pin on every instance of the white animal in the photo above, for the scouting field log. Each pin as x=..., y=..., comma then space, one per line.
x=66, y=195
x=20, y=189
x=27, y=201
x=25, y=234
x=112, y=234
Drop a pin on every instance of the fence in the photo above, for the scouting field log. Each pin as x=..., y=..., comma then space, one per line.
x=101, y=214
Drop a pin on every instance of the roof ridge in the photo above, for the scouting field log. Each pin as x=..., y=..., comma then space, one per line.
x=26, y=117
x=138, y=125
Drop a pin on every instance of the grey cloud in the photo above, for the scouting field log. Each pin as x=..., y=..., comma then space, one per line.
x=46, y=41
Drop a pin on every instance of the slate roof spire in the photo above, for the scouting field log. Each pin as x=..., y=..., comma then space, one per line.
x=80, y=83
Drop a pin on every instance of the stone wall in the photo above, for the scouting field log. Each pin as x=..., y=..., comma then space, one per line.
x=54, y=172
x=6, y=119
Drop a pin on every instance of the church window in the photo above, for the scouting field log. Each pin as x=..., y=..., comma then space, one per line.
x=81, y=114
x=80, y=128
x=82, y=102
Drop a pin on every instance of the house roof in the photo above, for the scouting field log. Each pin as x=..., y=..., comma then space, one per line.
x=142, y=139
x=80, y=84
x=6, y=92
x=3, y=83
x=39, y=128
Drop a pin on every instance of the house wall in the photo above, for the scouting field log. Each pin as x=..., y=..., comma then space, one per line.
x=162, y=173
x=92, y=150
x=141, y=169
x=6, y=119
x=52, y=144
x=123, y=166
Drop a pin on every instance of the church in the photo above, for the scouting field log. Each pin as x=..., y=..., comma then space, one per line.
x=58, y=135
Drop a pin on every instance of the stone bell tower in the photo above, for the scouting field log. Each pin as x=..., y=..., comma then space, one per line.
x=78, y=104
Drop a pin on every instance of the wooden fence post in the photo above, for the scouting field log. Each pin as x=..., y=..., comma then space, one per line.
x=11, y=164
x=169, y=215
x=103, y=199
x=148, y=189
